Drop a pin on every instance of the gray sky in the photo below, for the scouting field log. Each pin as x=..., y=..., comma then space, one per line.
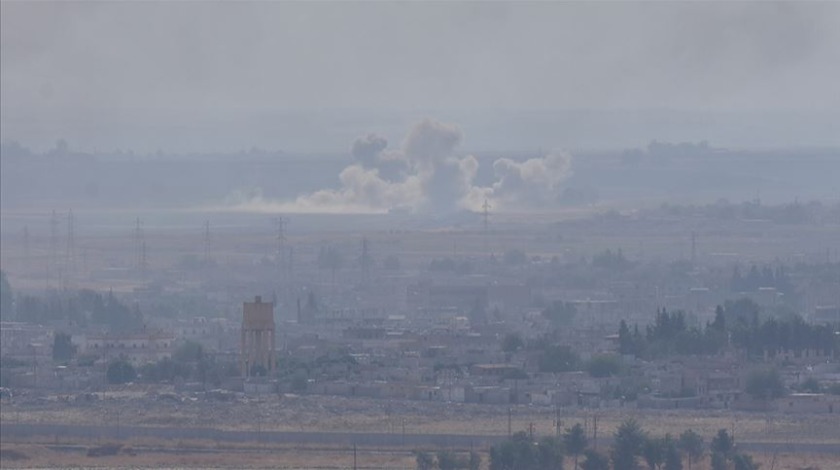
x=229, y=75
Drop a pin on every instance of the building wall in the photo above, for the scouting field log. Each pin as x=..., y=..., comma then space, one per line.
x=257, y=340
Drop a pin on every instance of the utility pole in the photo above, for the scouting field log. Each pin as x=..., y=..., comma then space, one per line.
x=143, y=262
x=365, y=260
x=595, y=432
x=281, y=241
x=34, y=347
x=52, y=264
x=26, y=254
x=71, y=241
x=509, y=422
x=70, y=256
x=693, y=247
x=207, y=256
x=139, y=246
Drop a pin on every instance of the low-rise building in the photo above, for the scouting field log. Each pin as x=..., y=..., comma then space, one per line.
x=137, y=348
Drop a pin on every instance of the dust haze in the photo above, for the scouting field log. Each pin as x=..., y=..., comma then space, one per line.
x=420, y=235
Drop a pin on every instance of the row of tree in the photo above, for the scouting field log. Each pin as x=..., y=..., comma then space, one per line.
x=736, y=324
x=188, y=363
x=756, y=278
x=631, y=447
x=83, y=307
x=790, y=213
x=448, y=460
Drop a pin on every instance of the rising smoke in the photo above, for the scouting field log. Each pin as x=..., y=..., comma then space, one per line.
x=425, y=175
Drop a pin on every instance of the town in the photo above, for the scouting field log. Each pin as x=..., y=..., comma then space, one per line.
x=560, y=320
x=403, y=235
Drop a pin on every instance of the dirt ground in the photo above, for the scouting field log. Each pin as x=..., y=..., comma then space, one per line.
x=326, y=413
x=314, y=413
x=35, y=455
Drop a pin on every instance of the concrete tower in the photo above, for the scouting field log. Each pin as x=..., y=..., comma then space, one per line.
x=257, y=346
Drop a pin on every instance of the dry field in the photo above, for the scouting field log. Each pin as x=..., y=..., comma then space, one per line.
x=208, y=455
x=327, y=413
x=322, y=413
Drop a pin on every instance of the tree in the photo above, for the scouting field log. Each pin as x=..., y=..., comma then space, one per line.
x=550, y=454
x=164, y=370
x=190, y=351
x=629, y=440
x=512, y=343
x=743, y=312
x=120, y=372
x=673, y=457
x=605, y=365
x=300, y=380
x=595, y=461
x=723, y=443
x=765, y=385
x=743, y=461
x=692, y=444
x=516, y=453
x=475, y=461
x=653, y=451
x=719, y=324
x=6, y=298
x=559, y=359
x=575, y=441
x=810, y=385
x=425, y=461
x=447, y=460
x=718, y=461
x=560, y=313
x=609, y=260
x=625, y=339
x=63, y=348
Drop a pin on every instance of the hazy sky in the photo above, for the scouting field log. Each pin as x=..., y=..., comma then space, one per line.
x=203, y=75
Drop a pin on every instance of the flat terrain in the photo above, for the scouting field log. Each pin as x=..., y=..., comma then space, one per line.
x=796, y=442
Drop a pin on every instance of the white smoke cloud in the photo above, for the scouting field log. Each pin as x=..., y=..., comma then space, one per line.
x=366, y=149
x=366, y=188
x=536, y=181
x=430, y=142
x=426, y=175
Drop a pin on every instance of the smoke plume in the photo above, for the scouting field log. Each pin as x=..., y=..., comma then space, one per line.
x=426, y=175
